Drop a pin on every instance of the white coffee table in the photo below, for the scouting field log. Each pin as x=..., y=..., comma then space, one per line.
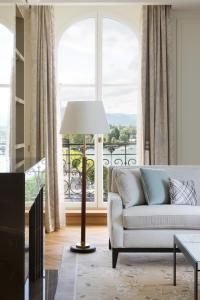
x=189, y=245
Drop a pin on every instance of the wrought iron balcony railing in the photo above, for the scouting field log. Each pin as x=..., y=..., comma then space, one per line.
x=114, y=154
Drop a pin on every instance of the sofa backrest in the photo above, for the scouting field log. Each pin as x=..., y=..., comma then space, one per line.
x=174, y=171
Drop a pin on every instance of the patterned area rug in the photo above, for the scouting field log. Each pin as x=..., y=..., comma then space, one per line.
x=137, y=277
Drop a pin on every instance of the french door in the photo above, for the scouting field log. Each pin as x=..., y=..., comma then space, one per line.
x=98, y=60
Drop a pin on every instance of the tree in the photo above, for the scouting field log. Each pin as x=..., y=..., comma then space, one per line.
x=113, y=140
x=124, y=134
x=116, y=134
x=78, y=138
x=123, y=137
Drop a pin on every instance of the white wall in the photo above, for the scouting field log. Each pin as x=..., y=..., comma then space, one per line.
x=66, y=15
x=186, y=39
x=7, y=16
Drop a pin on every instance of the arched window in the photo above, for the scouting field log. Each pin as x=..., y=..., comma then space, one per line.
x=6, y=57
x=76, y=62
x=98, y=59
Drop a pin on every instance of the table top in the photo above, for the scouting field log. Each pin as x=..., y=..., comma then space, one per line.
x=190, y=245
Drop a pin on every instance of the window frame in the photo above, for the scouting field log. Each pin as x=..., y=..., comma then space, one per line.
x=98, y=85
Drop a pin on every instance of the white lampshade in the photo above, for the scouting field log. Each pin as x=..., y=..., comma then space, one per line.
x=84, y=117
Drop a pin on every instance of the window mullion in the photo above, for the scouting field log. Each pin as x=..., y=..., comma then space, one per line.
x=99, y=145
x=76, y=85
x=118, y=84
x=99, y=57
x=4, y=85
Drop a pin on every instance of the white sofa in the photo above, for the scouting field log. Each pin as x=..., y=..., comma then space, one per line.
x=150, y=228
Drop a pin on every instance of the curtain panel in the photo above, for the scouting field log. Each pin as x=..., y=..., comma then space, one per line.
x=158, y=105
x=45, y=136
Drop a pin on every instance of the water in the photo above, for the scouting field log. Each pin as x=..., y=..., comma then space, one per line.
x=118, y=156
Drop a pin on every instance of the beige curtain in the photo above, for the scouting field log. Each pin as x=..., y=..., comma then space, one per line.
x=158, y=105
x=45, y=137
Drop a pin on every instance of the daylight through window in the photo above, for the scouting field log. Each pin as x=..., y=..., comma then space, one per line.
x=100, y=64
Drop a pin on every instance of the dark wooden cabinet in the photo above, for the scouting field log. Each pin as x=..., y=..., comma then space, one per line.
x=20, y=261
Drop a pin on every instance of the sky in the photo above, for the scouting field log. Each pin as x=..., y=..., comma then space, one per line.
x=76, y=65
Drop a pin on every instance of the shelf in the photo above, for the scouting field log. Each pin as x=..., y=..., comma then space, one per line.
x=20, y=164
x=19, y=92
x=20, y=79
x=20, y=156
x=19, y=146
x=19, y=123
x=19, y=56
x=19, y=100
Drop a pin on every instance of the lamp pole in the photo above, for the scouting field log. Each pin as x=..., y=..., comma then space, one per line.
x=84, y=193
x=83, y=247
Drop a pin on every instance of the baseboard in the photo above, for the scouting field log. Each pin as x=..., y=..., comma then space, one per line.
x=97, y=217
x=73, y=217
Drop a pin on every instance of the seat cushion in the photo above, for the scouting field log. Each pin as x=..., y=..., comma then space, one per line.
x=162, y=216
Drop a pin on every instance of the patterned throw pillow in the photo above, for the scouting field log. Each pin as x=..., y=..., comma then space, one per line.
x=182, y=192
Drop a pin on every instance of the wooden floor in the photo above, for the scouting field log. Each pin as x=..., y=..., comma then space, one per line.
x=54, y=242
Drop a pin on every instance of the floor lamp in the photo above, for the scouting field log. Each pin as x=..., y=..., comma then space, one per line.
x=84, y=117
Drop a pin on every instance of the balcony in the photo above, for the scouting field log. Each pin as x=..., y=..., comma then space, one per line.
x=114, y=154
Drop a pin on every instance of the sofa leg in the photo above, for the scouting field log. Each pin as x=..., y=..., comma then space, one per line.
x=110, y=245
x=114, y=257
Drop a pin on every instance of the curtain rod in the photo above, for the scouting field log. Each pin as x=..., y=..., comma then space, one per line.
x=98, y=2
x=175, y=3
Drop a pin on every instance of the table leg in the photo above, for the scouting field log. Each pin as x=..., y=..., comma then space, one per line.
x=174, y=273
x=196, y=283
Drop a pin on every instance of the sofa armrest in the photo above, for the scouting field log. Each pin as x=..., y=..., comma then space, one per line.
x=115, y=224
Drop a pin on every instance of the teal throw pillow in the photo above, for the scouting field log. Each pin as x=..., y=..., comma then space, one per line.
x=155, y=184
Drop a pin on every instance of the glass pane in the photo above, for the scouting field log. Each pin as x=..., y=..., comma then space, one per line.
x=120, y=144
x=76, y=63
x=120, y=104
x=120, y=53
x=4, y=128
x=6, y=55
x=74, y=94
x=72, y=166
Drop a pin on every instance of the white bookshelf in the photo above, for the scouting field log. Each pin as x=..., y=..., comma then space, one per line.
x=19, y=97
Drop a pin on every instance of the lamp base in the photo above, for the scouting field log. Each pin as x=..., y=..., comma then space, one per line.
x=78, y=248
